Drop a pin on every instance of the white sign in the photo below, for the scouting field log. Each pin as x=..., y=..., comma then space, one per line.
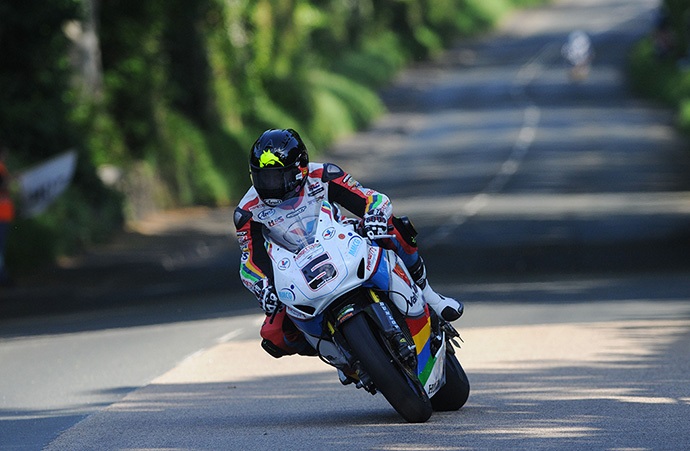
x=42, y=184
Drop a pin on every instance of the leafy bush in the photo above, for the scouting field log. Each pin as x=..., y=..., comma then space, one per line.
x=188, y=85
x=87, y=213
x=39, y=118
x=662, y=79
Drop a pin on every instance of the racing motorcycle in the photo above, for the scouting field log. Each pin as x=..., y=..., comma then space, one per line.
x=357, y=306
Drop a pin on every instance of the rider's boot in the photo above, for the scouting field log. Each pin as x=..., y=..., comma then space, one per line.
x=447, y=308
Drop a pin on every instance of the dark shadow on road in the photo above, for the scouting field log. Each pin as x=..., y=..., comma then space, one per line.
x=545, y=289
x=616, y=401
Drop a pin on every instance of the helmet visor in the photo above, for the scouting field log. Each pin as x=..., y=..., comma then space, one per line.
x=277, y=182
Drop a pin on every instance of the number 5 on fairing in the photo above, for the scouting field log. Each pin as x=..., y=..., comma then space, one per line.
x=319, y=272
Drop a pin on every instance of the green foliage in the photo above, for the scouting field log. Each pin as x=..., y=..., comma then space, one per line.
x=34, y=78
x=84, y=215
x=39, y=118
x=684, y=114
x=662, y=79
x=134, y=69
x=678, y=13
x=204, y=78
x=101, y=135
x=188, y=85
x=375, y=63
x=185, y=158
x=340, y=106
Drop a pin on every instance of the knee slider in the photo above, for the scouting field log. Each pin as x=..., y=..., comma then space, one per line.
x=272, y=349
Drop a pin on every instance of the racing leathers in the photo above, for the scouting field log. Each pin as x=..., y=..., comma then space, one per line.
x=323, y=181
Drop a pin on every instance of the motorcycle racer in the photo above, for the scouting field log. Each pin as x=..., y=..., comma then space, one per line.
x=280, y=170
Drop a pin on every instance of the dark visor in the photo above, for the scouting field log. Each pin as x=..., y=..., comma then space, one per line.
x=274, y=183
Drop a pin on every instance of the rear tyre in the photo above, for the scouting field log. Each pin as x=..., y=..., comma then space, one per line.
x=405, y=394
x=455, y=392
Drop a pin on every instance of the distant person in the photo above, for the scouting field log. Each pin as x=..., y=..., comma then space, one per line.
x=578, y=52
x=6, y=216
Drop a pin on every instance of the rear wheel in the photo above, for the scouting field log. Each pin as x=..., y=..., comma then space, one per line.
x=456, y=390
x=405, y=394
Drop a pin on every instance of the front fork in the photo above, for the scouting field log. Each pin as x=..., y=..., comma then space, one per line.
x=398, y=339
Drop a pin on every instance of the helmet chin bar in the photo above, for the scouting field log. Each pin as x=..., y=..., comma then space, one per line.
x=273, y=202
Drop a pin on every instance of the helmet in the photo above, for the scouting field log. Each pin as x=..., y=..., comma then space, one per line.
x=279, y=165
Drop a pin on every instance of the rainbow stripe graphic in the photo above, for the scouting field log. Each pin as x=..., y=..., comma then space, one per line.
x=421, y=334
x=327, y=208
x=251, y=272
x=374, y=201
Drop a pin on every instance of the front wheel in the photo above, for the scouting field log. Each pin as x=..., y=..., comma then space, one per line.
x=406, y=395
x=456, y=390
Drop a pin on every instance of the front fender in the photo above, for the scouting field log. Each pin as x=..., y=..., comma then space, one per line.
x=379, y=312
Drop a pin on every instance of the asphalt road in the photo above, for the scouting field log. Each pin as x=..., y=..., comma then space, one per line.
x=551, y=386
x=560, y=363
x=558, y=211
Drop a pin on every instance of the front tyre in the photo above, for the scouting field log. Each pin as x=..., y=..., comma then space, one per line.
x=456, y=390
x=407, y=396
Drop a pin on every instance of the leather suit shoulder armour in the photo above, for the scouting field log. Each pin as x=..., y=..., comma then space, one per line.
x=331, y=172
x=241, y=217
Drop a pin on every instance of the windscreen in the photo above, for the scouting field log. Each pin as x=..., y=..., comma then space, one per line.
x=294, y=224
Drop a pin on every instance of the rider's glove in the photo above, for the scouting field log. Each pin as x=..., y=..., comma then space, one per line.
x=266, y=295
x=375, y=224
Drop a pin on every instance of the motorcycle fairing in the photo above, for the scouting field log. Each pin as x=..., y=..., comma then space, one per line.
x=393, y=278
x=429, y=367
x=378, y=266
x=310, y=326
x=326, y=260
x=317, y=259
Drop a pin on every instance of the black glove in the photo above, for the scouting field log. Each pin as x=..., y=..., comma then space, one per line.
x=375, y=224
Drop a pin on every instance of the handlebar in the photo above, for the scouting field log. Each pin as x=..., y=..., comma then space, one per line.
x=381, y=237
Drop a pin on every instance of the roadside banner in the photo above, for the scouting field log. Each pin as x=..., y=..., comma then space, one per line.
x=43, y=183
